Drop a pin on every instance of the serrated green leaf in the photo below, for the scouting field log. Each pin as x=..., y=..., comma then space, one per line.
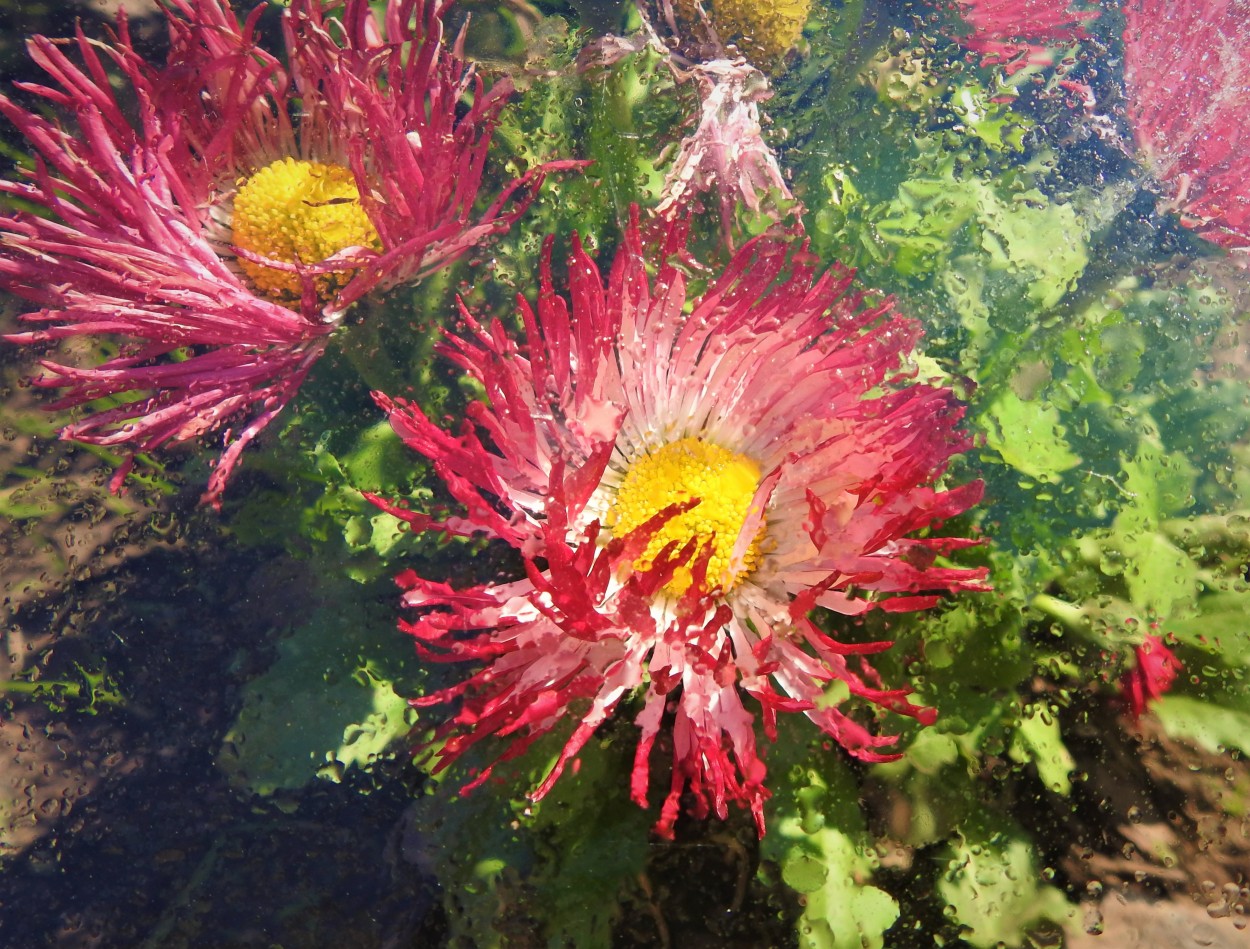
x=1029, y=436
x=1039, y=740
x=991, y=886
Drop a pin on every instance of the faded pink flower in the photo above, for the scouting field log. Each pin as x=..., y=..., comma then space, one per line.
x=217, y=236
x=1018, y=33
x=1151, y=677
x=726, y=155
x=1186, y=82
x=687, y=483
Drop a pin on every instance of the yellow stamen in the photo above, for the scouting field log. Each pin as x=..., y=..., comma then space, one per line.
x=299, y=212
x=763, y=31
x=723, y=482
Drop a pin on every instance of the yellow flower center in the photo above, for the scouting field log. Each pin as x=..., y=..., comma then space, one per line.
x=299, y=212
x=764, y=31
x=723, y=482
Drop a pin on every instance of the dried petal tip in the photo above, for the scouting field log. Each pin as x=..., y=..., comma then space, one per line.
x=726, y=155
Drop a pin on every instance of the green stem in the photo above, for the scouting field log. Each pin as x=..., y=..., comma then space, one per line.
x=1070, y=617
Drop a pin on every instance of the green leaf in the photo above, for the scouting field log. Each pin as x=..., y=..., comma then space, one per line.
x=1161, y=579
x=991, y=886
x=1042, y=241
x=1028, y=436
x=1220, y=627
x=1038, y=739
x=594, y=843
x=327, y=703
x=840, y=910
x=931, y=751
x=819, y=840
x=1214, y=728
x=1157, y=484
x=377, y=460
x=995, y=124
x=470, y=842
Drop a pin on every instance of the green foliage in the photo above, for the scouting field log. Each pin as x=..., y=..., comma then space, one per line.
x=611, y=116
x=335, y=698
x=819, y=840
x=991, y=885
x=561, y=867
x=592, y=843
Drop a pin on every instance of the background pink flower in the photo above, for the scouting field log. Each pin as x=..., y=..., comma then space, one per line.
x=726, y=156
x=686, y=481
x=1017, y=33
x=220, y=239
x=1151, y=677
x=1186, y=83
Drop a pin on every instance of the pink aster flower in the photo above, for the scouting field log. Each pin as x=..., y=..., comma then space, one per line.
x=688, y=482
x=726, y=155
x=1018, y=33
x=1152, y=676
x=1186, y=82
x=217, y=236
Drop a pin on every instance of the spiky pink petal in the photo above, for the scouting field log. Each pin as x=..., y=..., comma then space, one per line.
x=1019, y=33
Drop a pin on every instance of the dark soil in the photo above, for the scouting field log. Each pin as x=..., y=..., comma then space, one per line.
x=123, y=831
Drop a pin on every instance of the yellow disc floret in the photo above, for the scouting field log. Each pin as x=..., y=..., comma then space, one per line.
x=299, y=212
x=723, y=482
x=764, y=31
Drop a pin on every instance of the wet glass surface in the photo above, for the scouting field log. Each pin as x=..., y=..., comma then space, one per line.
x=979, y=527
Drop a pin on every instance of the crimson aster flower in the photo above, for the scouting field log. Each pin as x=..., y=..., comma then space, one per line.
x=687, y=482
x=217, y=235
x=1017, y=33
x=1153, y=672
x=1186, y=82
